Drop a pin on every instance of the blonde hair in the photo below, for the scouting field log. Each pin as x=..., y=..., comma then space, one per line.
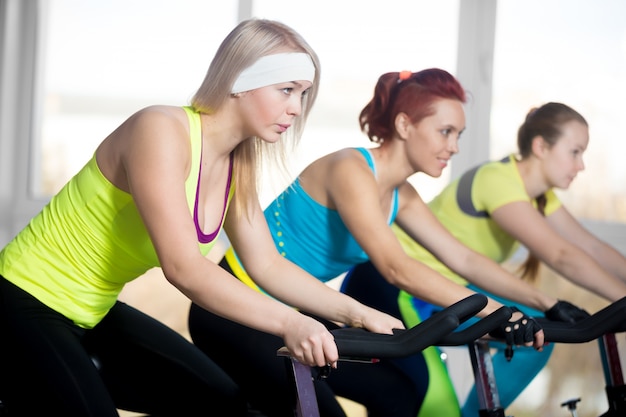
x=244, y=45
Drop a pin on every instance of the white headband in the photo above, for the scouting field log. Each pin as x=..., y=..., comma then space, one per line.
x=275, y=69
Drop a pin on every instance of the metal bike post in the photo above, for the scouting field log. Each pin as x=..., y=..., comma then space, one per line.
x=306, y=399
x=615, y=388
x=485, y=380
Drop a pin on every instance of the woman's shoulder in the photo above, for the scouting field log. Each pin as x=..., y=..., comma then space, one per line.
x=498, y=164
x=157, y=121
x=495, y=177
x=335, y=169
x=340, y=157
x=160, y=113
x=352, y=155
x=503, y=169
x=152, y=127
x=349, y=152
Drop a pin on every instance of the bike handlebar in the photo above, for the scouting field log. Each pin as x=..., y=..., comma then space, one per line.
x=611, y=319
x=354, y=343
x=439, y=330
x=478, y=329
x=360, y=344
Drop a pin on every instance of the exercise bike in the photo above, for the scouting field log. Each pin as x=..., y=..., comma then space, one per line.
x=363, y=346
x=358, y=344
x=601, y=326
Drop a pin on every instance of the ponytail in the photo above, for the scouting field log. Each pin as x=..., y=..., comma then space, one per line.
x=530, y=267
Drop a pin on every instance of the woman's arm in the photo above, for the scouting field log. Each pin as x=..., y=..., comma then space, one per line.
x=424, y=227
x=155, y=156
x=286, y=281
x=606, y=255
x=354, y=192
x=563, y=244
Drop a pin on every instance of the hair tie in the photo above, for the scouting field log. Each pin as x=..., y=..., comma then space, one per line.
x=404, y=75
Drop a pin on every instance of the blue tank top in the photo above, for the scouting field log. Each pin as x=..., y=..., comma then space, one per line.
x=313, y=236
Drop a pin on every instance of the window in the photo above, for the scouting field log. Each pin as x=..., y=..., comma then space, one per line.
x=573, y=52
x=357, y=41
x=105, y=60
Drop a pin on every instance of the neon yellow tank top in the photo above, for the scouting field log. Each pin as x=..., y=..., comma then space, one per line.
x=464, y=208
x=77, y=254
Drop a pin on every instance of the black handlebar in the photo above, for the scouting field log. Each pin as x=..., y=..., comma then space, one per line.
x=439, y=330
x=354, y=343
x=358, y=343
x=611, y=319
x=478, y=329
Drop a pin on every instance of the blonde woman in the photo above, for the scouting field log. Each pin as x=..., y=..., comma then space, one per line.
x=157, y=192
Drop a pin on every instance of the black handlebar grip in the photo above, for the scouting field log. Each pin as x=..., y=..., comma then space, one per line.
x=611, y=319
x=359, y=343
x=468, y=307
x=354, y=343
x=478, y=329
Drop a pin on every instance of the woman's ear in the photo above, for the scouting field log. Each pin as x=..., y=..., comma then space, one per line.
x=403, y=124
x=539, y=146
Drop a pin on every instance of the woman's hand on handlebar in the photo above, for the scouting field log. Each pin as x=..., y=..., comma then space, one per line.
x=566, y=312
x=378, y=322
x=519, y=330
x=310, y=343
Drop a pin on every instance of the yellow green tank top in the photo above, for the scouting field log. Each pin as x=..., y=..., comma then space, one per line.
x=77, y=254
x=464, y=208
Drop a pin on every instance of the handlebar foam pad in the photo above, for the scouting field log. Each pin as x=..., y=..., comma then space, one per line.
x=359, y=343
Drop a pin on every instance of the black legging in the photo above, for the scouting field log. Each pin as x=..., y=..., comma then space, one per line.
x=365, y=284
x=249, y=357
x=47, y=365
